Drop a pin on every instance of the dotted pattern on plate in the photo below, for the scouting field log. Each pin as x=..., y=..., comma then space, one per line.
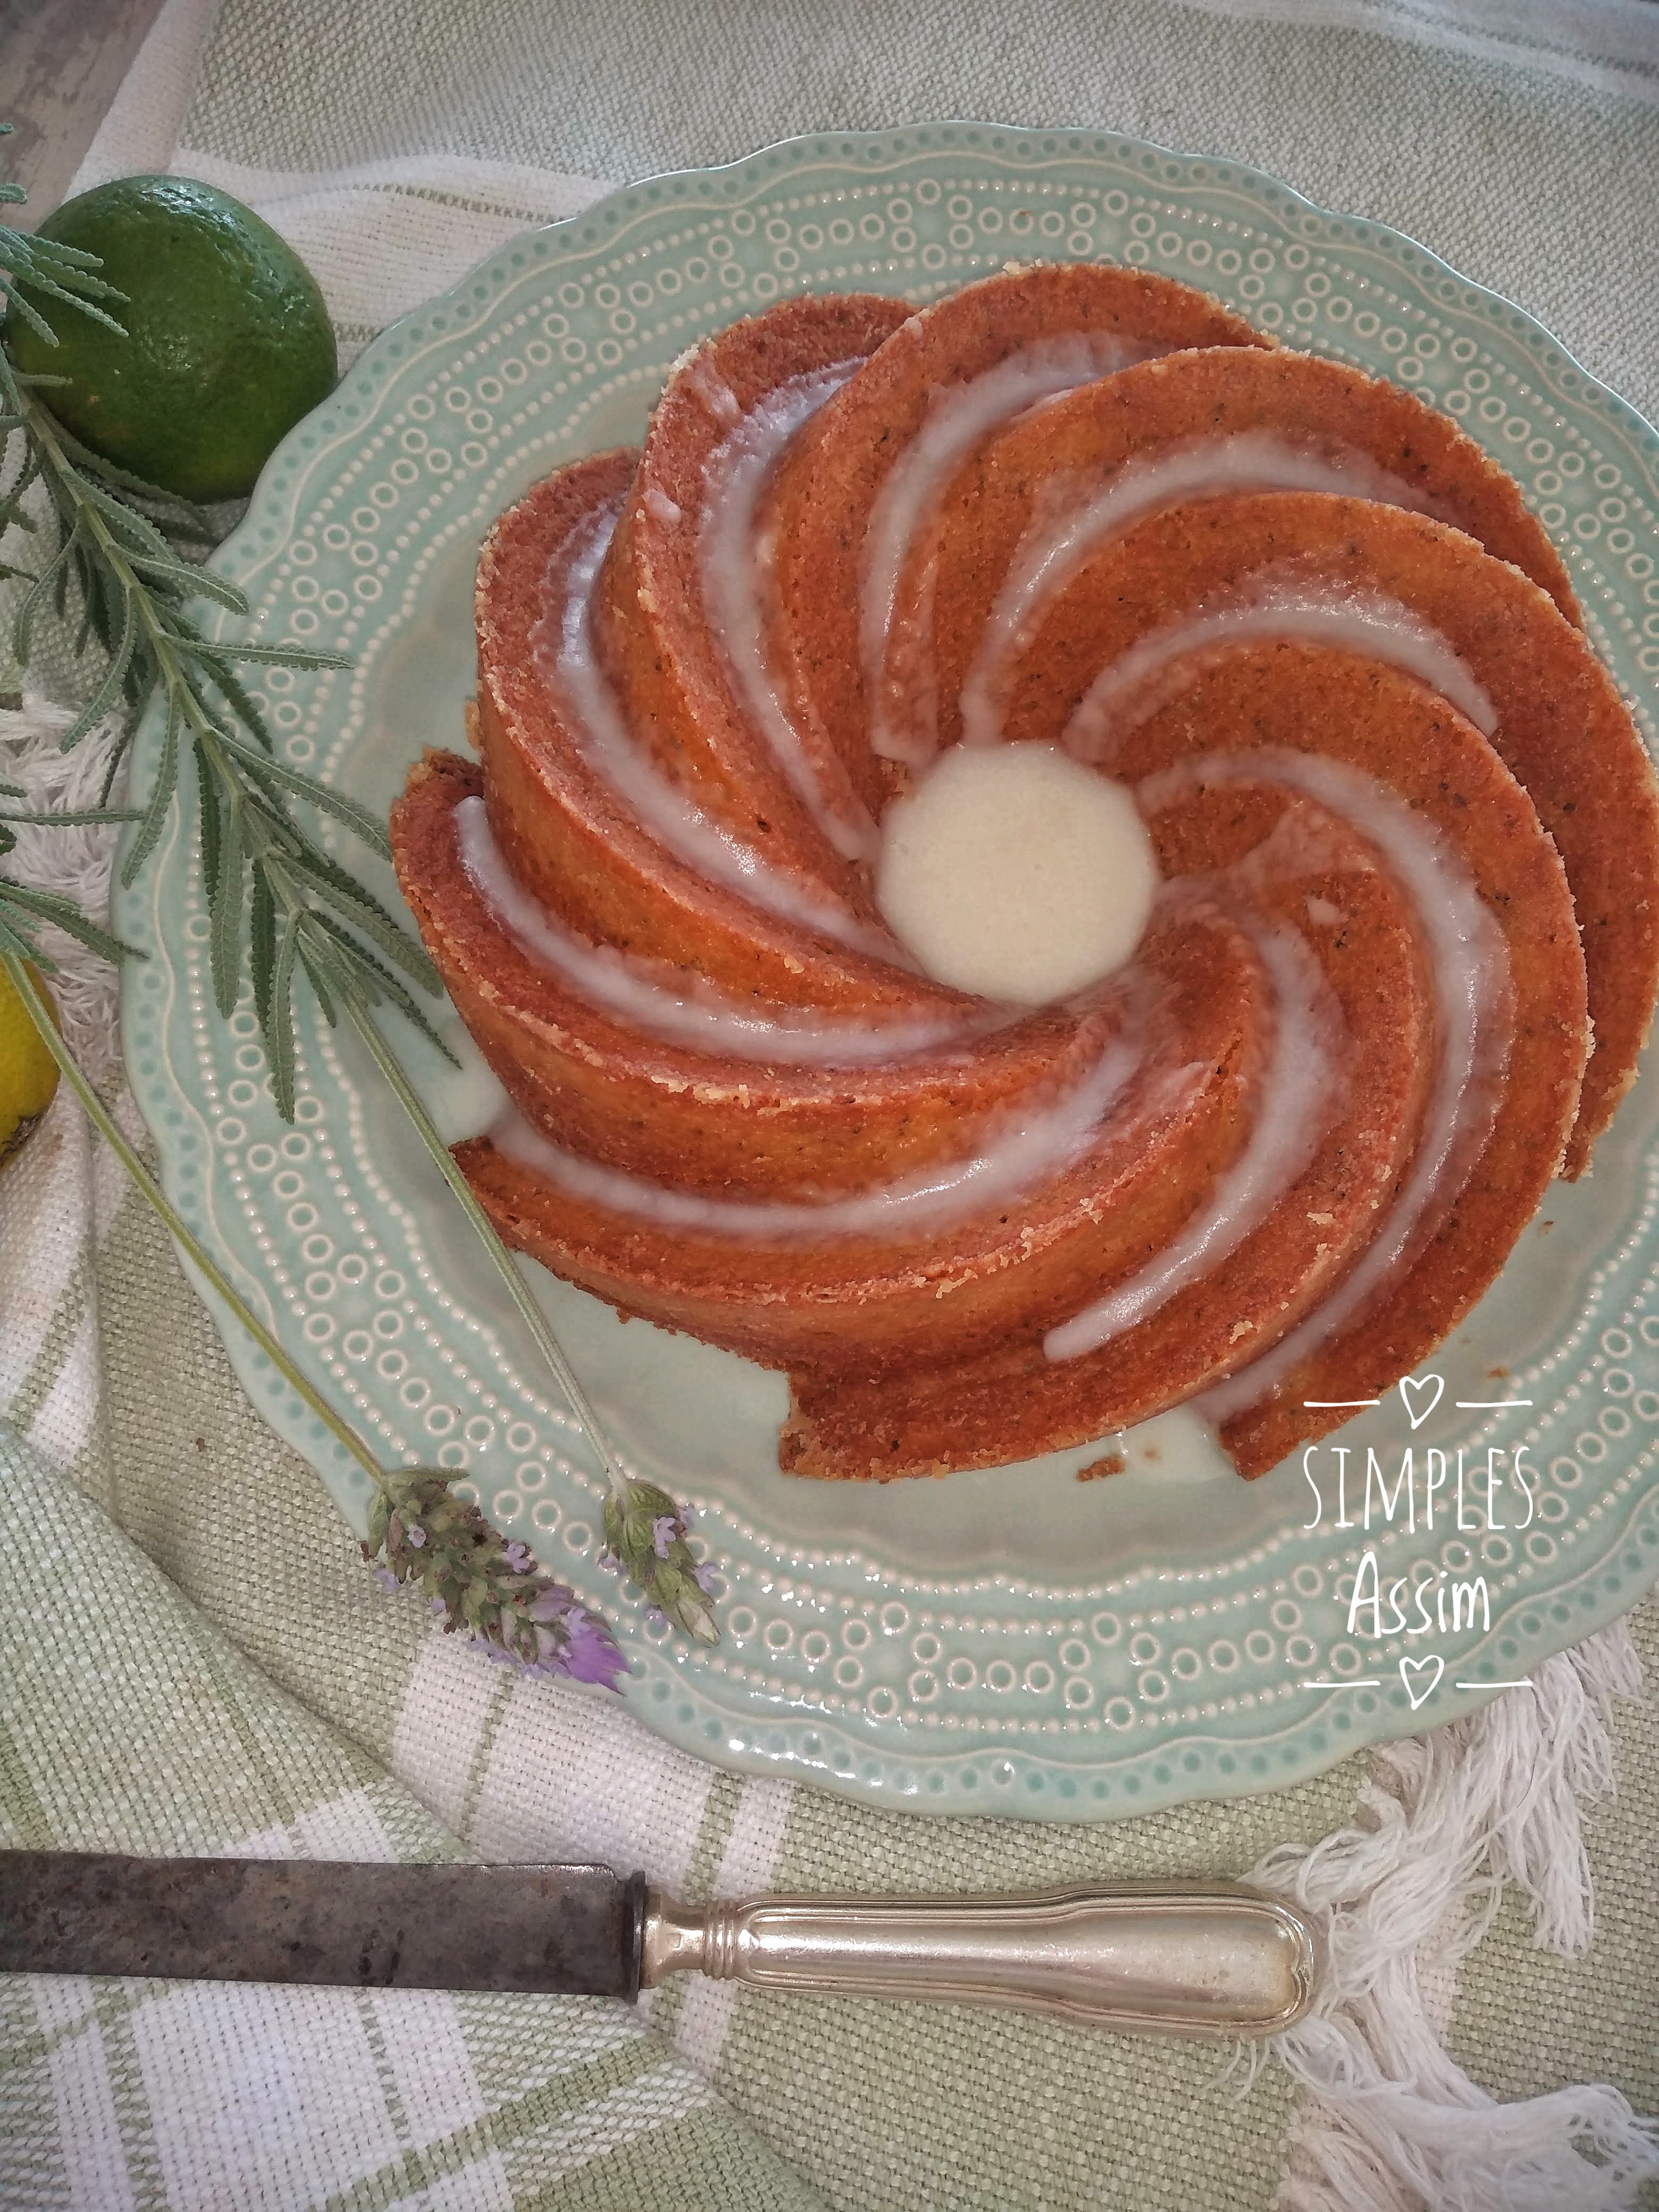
x=982, y=1692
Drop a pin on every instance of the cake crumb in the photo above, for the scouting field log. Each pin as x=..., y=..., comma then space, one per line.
x=1112, y=1463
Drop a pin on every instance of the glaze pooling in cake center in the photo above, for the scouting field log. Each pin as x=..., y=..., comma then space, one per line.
x=1015, y=873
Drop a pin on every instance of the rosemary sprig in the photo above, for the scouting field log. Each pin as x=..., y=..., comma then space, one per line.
x=41, y=264
x=275, y=897
x=257, y=860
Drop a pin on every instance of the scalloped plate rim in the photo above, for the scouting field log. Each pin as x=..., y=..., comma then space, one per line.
x=860, y=1737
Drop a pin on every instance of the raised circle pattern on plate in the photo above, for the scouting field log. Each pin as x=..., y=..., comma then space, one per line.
x=1149, y=1685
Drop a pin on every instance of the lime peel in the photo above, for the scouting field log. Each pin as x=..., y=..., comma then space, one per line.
x=227, y=340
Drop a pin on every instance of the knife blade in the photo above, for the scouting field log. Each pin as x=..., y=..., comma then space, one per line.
x=575, y=1929
x=1179, y=1959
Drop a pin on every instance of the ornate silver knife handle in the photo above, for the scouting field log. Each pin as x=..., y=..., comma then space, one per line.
x=1169, y=1960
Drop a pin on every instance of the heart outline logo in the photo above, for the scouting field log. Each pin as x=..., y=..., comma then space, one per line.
x=1412, y=1667
x=1433, y=1384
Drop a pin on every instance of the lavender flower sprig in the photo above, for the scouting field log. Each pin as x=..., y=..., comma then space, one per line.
x=644, y=1532
x=421, y=1534
x=633, y=1508
x=422, y=1531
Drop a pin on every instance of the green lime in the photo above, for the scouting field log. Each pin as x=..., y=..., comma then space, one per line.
x=227, y=341
x=29, y=1073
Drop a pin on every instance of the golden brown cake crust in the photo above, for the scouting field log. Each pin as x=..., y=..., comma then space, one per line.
x=1185, y=403
x=1374, y=718
x=867, y=1303
x=1561, y=727
x=831, y=479
x=689, y=1184
x=570, y=839
x=668, y=669
x=691, y=1119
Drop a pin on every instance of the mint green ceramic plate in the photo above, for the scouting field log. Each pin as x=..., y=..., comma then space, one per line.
x=1016, y=1641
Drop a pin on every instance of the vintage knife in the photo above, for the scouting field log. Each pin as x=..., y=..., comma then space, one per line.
x=1174, y=1959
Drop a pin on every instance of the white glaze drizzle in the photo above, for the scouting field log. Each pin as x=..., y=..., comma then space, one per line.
x=1053, y=549
x=563, y=648
x=1293, y=1113
x=657, y=504
x=1028, y=1145
x=710, y=386
x=732, y=566
x=1468, y=962
x=958, y=416
x=701, y=1018
x=1276, y=604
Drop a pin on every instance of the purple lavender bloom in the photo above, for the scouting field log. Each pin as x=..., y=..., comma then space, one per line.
x=663, y=1530
x=517, y=1556
x=610, y=1562
x=591, y=1656
x=386, y=1579
x=656, y=1619
x=573, y=1640
x=553, y=1603
x=706, y=1579
x=415, y=1535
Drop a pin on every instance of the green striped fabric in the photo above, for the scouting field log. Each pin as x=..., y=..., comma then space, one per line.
x=192, y=1657
x=221, y=1674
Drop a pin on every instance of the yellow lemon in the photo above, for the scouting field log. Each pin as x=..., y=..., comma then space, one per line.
x=29, y=1073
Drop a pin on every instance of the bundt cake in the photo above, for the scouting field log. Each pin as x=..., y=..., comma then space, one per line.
x=1399, y=966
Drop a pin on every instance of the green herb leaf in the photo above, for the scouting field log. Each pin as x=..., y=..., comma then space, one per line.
x=225, y=938
x=182, y=516
x=73, y=816
x=24, y=902
x=262, y=945
x=160, y=800
x=356, y=817
x=279, y=656
x=279, y=1024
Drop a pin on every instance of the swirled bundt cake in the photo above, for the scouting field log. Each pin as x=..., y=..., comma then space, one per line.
x=1400, y=962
